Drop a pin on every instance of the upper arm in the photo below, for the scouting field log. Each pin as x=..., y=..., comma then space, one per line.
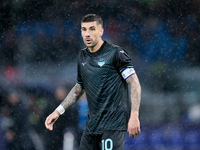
x=122, y=60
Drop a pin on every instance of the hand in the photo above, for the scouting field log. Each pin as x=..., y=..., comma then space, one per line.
x=51, y=119
x=134, y=126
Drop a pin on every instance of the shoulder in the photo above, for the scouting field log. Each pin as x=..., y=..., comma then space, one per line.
x=113, y=47
x=82, y=52
x=117, y=49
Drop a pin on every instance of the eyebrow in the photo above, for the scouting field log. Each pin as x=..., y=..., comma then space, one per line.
x=89, y=27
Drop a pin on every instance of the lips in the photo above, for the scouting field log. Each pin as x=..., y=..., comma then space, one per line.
x=88, y=41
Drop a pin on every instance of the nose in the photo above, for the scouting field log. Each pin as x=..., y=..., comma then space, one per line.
x=87, y=34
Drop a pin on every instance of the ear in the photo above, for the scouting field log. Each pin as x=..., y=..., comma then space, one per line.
x=101, y=31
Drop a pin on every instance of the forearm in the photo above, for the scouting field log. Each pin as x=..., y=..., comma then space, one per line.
x=73, y=96
x=135, y=94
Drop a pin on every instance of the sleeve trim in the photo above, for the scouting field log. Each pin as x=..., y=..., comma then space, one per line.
x=79, y=82
x=125, y=68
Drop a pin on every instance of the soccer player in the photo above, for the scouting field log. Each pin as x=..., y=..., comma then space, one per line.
x=113, y=91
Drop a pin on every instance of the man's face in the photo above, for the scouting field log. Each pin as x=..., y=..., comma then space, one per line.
x=91, y=33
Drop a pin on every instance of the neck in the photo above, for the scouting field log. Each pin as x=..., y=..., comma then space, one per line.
x=96, y=47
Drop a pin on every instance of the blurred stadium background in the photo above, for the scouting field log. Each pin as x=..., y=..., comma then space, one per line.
x=39, y=43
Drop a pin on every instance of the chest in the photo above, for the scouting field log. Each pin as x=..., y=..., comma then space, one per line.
x=97, y=66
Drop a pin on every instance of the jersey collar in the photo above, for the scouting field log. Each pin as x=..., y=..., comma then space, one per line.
x=97, y=52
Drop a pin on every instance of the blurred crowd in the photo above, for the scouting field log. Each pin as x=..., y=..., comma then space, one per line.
x=160, y=33
x=165, y=30
x=23, y=113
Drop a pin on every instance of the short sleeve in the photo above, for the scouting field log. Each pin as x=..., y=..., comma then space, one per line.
x=79, y=78
x=123, y=63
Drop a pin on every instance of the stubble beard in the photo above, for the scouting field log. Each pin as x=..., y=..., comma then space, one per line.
x=91, y=45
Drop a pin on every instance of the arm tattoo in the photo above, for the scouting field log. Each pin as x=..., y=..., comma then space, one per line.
x=73, y=96
x=135, y=92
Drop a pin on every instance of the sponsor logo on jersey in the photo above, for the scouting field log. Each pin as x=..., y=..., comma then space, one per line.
x=84, y=63
x=122, y=51
x=101, y=62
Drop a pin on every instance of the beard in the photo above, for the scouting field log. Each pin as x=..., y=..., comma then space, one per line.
x=91, y=44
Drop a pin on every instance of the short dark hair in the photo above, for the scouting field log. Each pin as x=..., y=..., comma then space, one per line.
x=91, y=18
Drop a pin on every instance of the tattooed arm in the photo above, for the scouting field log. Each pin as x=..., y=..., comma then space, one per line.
x=135, y=94
x=71, y=98
x=76, y=92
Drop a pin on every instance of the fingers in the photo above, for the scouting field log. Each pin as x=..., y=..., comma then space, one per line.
x=132, y=136
x=134, y=132
x=139, y=132
x=51, y=119
x=49, y=123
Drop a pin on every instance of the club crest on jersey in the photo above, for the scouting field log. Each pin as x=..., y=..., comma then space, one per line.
x=101, y=62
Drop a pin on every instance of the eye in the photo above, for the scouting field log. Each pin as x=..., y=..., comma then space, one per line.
x=92, y=29
x=83, y=29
